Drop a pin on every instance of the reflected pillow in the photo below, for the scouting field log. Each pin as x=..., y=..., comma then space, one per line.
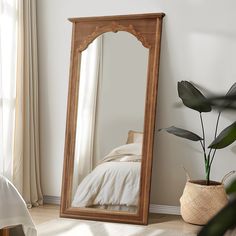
x=128, y=152
x=135, y=137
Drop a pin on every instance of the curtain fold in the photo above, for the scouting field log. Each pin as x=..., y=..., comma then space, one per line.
x=26, y=165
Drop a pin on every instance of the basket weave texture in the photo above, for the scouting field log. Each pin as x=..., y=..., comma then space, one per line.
x=199, y=203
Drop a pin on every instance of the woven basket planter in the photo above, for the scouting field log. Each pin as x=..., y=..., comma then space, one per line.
x=200, y=202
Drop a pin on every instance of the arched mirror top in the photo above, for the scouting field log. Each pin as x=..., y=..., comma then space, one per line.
x=90, y=28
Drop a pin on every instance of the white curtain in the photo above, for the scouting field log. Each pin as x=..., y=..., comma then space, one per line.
x=26, y=166
x=8, y=35
x=19, y=126
x=88, y=89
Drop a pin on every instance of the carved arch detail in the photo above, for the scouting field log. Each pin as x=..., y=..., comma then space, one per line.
x=114, y=27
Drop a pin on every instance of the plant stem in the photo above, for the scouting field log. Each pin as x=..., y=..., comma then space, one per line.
x=206, y=158
x=217, y=123
x=213, y=157
x=203, y=132
x=216, y=129
x=207, y=170
x=208, y=173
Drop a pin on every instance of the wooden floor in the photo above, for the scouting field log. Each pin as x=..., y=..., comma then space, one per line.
x=171, y=222
x=44, y=213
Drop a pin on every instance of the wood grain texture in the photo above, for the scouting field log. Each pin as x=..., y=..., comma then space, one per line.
x=147, y=29
x=4, y=232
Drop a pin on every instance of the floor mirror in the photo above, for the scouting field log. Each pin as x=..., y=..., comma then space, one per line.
x=111, y=113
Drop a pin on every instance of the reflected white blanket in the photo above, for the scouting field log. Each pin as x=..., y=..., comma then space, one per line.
x=13, y=210
x=110, y=183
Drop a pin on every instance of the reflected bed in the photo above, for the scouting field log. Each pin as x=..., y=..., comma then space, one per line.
x=115, y=183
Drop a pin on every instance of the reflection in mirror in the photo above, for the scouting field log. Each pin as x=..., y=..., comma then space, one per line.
x=110, y=120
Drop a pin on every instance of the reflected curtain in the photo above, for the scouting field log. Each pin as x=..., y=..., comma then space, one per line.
x=8, y=26
x=88, y=90
x=26, y=167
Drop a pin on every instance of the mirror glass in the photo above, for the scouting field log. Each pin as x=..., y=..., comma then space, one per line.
x=110, y=121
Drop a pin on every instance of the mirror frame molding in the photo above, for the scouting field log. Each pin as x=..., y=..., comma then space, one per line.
x=147, y=29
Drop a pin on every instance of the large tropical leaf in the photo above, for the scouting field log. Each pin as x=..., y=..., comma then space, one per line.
x=225, y=138
x=223, y=102
x=220, y=102
x=227, y=101
x=232, y=188
x=182, y=133
x=222, y=222
x=231, y=93
x=192, y=97
x=232, y=90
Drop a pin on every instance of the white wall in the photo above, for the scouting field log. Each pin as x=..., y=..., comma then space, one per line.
x=198, y=44
x=121, y=98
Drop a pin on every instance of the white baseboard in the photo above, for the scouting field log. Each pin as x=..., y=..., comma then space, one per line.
x=161, y=209
x=51, y=200
x=164, y=209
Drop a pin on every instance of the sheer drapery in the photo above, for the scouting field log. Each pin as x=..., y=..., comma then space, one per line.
x=19, y=130
x=8, y=35
x=26, y=167
x=89, y=79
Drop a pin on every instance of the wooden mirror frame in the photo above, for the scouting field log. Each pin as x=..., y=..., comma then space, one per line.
x=147, y=29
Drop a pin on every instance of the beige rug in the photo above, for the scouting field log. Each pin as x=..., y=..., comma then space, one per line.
x=70, y=227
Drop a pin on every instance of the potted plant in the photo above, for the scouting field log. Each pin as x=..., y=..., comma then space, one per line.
x=225, y=220
x=202, y=199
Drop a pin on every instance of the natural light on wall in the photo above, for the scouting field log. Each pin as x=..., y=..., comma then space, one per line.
x=8, y=34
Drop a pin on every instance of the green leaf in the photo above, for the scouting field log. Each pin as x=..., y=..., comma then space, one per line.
x=192, y=97
x=224, y=102
x=223, y=221
x=225, y=138
x=183, y=133
x=227, y=101
x=231, y=188
x=232, y=90
x=220, y=102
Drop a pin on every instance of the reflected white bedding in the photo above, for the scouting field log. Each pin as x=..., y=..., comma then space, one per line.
x=114, y=182
x=110, y=183
x=13, y=210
